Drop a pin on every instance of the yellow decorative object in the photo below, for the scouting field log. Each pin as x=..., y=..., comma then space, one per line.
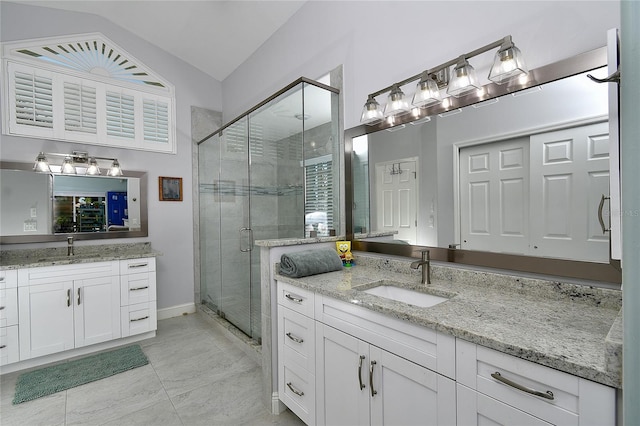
x=344, y=250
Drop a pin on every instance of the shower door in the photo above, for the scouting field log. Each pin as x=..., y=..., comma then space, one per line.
x=267, y=175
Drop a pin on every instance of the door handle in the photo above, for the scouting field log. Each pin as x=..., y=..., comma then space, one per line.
x=373, y=391
x=249, y=232
x=360, y=372
x=68, y=297
x=600, y=208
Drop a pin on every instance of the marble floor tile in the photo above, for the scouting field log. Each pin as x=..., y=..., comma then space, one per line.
x=197, y=374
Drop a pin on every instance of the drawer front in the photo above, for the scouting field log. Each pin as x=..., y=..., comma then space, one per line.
x=137, y=288
x=474, y=409
x=9, y=350
x=8, y=279
x=296, y=338
x=47, y=274
x=296, y=299
x=551, y=395
x=135, y=266
x=425, y=347
x=8, y=306
x=296, y=388
x=138, y=319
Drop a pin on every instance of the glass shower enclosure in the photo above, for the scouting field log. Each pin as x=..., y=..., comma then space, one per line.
x=271, y=173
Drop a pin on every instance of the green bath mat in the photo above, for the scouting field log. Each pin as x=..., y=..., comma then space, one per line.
x=48, y=380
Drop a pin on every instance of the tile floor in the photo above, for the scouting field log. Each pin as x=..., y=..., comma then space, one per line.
x=197, y=375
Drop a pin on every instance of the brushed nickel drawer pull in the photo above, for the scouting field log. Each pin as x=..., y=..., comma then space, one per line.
x=1, y=308
x=373, y=391
x=3, y=346
x=139, y=319
x=1, y=279
x=294, y=390
x=360, y=371
x=293, y=299
x=78, y=296
x=139, y=288
x=546, y=395
x=138, y=265
x=69, y=297
x=294, y=338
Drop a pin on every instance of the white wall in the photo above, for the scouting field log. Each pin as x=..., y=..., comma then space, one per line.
x=381, y=42
x=170, y=223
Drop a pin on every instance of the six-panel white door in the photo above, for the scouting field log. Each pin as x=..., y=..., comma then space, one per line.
x=396, y=195
x=494, y=197
x=569, y=175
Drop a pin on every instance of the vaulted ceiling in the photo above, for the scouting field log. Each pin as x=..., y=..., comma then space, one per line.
x=212, y=35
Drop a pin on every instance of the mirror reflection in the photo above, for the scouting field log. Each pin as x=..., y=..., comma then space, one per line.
x=38, y=206
x=524, y=174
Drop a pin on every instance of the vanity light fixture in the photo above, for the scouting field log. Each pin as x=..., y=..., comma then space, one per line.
x=371, y=112
x=456, y=75
x=77, y=162
x=463, y=79
x=397, y=103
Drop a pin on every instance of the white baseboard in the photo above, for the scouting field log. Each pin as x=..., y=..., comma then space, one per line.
x=176, y=311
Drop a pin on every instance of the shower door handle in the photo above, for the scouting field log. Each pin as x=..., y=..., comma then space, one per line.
x=249, y=233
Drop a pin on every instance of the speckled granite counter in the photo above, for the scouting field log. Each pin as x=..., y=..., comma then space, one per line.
x=559, y=325
x=31, y=258
x=297, y=241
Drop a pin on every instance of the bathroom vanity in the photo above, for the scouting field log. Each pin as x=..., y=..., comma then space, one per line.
x=511, y=349
x=57, y=306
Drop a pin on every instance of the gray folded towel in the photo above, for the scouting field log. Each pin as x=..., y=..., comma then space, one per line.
x=309, y=262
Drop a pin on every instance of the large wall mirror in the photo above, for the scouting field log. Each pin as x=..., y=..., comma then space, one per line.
x=42, y=207
x=512, y=181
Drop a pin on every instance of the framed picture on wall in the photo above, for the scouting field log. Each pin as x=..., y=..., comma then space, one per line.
x=170, y=188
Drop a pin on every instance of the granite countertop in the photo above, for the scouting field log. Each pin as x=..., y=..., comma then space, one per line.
x=569, y=327
x=33, y=258
x=297, y=241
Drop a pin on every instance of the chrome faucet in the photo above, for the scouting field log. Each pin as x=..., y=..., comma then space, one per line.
x=426, y=266
x=70, y=246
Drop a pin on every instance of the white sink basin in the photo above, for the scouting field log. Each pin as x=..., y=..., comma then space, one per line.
x=400, y=294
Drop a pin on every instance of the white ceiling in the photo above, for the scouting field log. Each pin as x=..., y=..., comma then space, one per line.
x=215, y=36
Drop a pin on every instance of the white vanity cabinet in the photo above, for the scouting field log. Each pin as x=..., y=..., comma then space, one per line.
x=9, y=351
x=67, y=306
x=361, y=384
x=138, y=312
x=510, y=390
x=343, y=364
x=296, y=351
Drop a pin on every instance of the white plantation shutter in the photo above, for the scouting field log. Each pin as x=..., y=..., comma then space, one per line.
x=120, y=115
x=80, y=108
x=156, y=121
x=33, y=99
x=319, y=190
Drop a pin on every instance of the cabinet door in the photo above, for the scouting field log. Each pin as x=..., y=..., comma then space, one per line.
x=475, y=409
x=342, y=378
x=46, y=319
x=405, y=393
x=97, y=310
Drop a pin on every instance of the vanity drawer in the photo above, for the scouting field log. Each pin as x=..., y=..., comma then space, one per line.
x=296, y=388
x=8, y=279
x=9, y=350
x=296, y=299
x=138, y=319
x=8, y=306
x=573, y=400
x=136, y=266
x=296, y=338
x=137, y=288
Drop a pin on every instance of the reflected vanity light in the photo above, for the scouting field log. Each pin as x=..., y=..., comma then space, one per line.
x=77, y=162
x=457, y=76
